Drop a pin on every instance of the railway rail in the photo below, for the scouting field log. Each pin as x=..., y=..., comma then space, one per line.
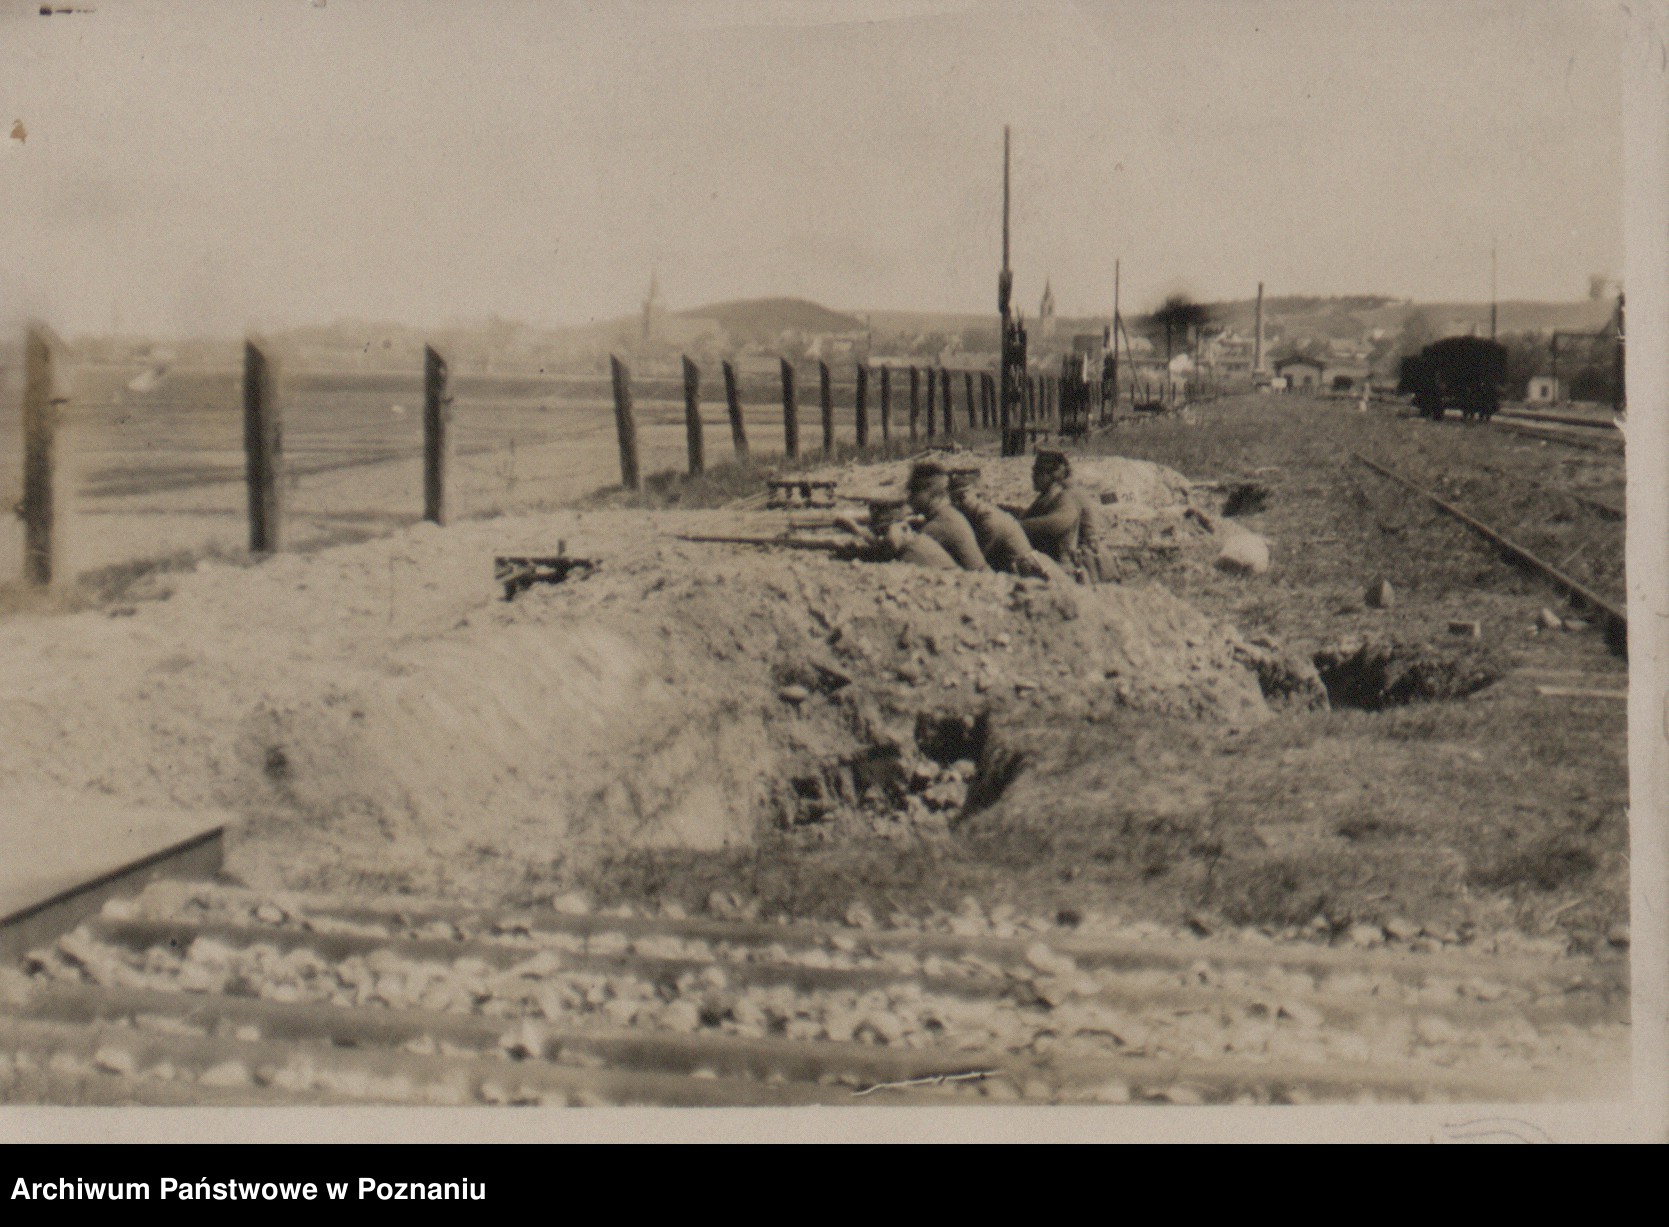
x=214, y=994
x=1576, y=432
x=1611, y=614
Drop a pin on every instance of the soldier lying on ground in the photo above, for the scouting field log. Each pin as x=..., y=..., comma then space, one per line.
x=1061, y=520
x=1000, y=537
x=888, y=537
x=929, y=488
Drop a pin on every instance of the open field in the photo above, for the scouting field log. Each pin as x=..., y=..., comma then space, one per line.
x=159, y=474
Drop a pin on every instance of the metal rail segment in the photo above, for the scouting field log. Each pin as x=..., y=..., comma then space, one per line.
x=1616, y=621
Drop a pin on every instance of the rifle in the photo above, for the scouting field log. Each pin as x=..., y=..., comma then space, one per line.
x=792, y=543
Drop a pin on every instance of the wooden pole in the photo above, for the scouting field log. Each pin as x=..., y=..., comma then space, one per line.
x=47, y=484
x=860, y=407
x=973, y=405
x=733, y=400
x=1620, y=401
x=437, y=422
x=790, y=414
x=625, y=424
x=932, y=383
x=947, y=402
x=827, y=394
x=263, y=449
x=915, y=401
x=886, y=404
x=692, y=418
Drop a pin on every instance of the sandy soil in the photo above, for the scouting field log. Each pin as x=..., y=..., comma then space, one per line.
x=377, y=714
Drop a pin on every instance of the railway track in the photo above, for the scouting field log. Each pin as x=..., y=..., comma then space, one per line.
x=1576, y=432
x=1611, y=614
x=214, y=994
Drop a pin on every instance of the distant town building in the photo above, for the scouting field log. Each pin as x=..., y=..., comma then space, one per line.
x=1542, y=390
x=1348, y=377
x=1228, y=353
x=1301, y=373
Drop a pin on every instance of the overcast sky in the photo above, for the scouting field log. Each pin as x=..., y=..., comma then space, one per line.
x=216, y=166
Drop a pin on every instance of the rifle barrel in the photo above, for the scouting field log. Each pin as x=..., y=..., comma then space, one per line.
x=792, y=543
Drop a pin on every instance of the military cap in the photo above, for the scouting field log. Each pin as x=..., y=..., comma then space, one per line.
x=1051, y=458
x=925, y=474
x=885, y=511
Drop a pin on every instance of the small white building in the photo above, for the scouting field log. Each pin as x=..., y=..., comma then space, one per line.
x=1542, y=390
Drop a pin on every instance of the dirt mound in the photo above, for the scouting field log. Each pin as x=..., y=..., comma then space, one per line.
x=380, y=717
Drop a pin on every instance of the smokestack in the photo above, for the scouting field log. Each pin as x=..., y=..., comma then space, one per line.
x=1257, y=345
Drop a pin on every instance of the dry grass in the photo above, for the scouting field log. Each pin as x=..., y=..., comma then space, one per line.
x=1483, y=813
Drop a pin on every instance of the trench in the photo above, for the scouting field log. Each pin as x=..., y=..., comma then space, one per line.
x=1378, y=676
x=954, y=765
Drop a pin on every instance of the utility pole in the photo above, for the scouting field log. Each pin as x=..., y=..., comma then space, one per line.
x=1493, y=295
x=1011, y=390
x=1621, y=396
x=1257, y=343
x=1109, y=369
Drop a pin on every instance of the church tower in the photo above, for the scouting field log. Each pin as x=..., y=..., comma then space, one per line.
x=651, y=307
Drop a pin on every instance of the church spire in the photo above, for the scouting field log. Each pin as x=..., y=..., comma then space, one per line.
x=651, y=304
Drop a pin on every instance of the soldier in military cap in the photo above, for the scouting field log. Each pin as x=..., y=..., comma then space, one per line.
x=1000, y=537
x=1061, y=522
x=888, y=537
x=929, y=488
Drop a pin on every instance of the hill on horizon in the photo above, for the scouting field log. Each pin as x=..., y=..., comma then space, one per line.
x=763, y=320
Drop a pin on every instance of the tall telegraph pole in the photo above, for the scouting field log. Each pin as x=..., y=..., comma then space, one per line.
x=1011, y=391
x=1493, y=294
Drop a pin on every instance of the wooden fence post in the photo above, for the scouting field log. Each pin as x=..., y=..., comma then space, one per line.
x=263, y=450
x=886, y=404
x=915, y=401
x=733, y=400
x=437, y=434
x=973, y=405
x=624, y=423
x=790, y=414
x=692, y=418
x=828, y=408
x=48, y=485
x=932, y=382
x=987, y=409
x=947, y=402
x=860, y=407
